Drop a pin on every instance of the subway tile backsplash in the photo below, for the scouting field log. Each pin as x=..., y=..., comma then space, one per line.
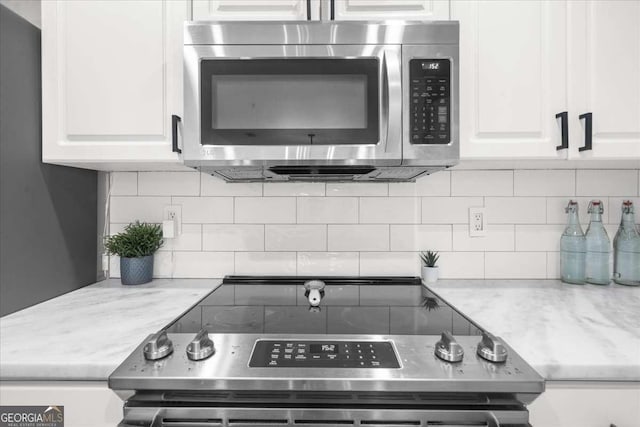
x=367, y=228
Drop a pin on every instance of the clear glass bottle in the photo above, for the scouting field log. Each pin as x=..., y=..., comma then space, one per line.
x=626, y=249
x=598, y=247
x=572, y=248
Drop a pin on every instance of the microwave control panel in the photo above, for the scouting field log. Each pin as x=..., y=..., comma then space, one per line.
x=430, y=98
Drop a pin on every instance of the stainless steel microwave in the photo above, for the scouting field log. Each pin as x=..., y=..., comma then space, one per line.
x=344, y=101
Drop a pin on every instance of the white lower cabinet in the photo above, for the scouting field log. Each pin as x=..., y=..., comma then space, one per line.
x=587, y=404
x=111, y=80
x=563, y=404
x=86, y=403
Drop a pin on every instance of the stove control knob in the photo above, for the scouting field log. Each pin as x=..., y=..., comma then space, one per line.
x=491, y=348
x=448, y=348
x=201, y=346
x=158, y=346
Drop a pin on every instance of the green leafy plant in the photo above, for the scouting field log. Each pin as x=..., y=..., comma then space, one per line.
x=429, y=258
x=137, y=240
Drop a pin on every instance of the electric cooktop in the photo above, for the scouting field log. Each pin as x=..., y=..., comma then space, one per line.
x=346, y=306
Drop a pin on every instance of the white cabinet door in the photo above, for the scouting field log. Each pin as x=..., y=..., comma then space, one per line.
x=606, y=77
x=111, y=79
x=413, y=10
x=513, y=78
x=255, y=10
x=587, y=404
x=86, y=403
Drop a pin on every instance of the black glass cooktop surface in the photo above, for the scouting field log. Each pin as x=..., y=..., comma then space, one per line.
x=350, y=305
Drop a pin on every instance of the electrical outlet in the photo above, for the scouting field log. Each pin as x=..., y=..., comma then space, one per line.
x=477, y=222
x=174, y=212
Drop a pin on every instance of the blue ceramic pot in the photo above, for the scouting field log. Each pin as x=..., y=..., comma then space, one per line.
x=136, y=271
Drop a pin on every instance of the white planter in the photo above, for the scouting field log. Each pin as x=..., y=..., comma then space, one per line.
x=430, y=274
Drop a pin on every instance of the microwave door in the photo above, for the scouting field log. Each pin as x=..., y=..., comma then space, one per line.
x=302, y=104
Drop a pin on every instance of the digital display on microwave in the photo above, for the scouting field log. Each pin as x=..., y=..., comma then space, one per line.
x=430, y=65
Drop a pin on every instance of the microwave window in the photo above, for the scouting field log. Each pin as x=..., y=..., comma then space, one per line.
x=285, y=101
x=290, y=101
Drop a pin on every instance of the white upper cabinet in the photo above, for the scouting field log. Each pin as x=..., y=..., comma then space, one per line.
x=606, y=77
x=111, y=80
x=413, y=10
x=513, y=78
x=284, y=10
x=255, y=10
x=112, y=73
x=522, y=62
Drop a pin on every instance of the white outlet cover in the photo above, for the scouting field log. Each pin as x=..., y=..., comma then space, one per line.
x=176, y=212
x=477, y=222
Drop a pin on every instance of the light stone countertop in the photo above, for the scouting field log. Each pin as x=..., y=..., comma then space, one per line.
x=566, y=332
x=85, y=334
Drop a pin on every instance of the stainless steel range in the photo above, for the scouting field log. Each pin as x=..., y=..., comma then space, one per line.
x=334, y=351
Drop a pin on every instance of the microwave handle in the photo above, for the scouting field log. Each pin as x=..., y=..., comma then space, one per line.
x=385, y=98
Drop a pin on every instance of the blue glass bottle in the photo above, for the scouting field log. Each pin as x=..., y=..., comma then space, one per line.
x=572, y=248
x=626, y=249
x=598, y=271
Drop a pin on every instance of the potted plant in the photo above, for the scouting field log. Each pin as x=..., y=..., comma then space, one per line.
x=135, y=246
x=430, y=270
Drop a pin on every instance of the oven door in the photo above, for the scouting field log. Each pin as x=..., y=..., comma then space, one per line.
x=292, y=104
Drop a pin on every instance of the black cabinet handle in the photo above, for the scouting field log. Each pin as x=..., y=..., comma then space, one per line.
x=588, y=131
x=308, y=10
x=333, y=10
x=174, y=133
x=564, y=123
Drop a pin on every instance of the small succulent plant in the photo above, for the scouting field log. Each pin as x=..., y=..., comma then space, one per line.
x=429, y=258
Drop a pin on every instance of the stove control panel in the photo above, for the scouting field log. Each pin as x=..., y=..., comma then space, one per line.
x=323, y=354
x=430, y=95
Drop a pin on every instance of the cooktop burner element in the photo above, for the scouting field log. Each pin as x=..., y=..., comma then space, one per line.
x=266, y=349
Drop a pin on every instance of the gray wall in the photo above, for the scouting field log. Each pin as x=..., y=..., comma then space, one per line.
x=48, y=214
